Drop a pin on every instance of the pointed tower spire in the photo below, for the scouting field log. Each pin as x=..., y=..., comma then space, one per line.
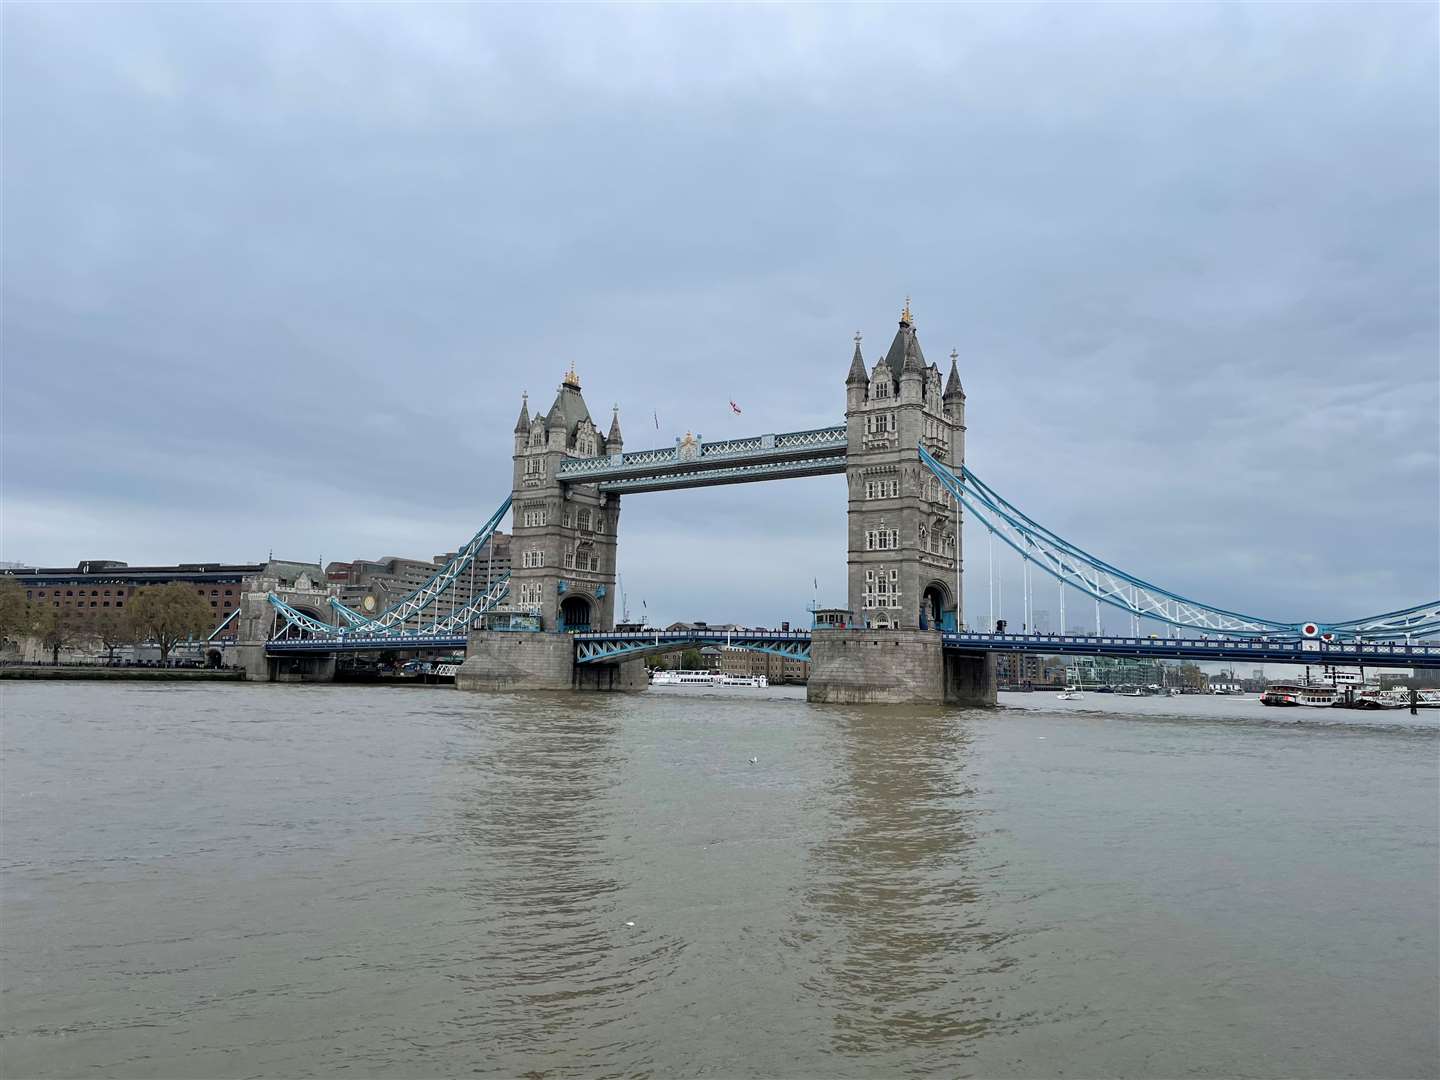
x=614, y=439
x=914, y=362
x=953, y=389
x=857, y=374
x=523, y=424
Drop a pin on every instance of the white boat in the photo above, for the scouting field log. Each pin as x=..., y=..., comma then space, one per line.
x=1296, y=693
x=1070, y=693
x=681, y=677
x=706, y=678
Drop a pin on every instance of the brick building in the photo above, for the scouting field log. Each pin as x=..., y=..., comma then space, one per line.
x=98, y=585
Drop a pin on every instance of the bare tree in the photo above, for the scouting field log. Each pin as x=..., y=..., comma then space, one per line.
x=57, y=628
x=169, y=614
x=113, y=628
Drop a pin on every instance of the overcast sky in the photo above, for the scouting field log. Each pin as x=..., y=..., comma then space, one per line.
x=275, y=277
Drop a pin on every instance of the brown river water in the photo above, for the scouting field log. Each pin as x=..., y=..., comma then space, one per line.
x=225, y=880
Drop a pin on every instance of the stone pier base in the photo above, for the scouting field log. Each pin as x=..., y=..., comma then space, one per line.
x=518, y=660
x=895, y=667
x=261, y=668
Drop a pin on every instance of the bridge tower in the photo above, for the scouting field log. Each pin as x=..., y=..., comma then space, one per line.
x=562, y=559
x=904, y=535
x=903, y=564
x=563, y=550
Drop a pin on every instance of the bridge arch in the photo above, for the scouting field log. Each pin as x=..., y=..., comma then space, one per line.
x=576, y=611
x=937, y=605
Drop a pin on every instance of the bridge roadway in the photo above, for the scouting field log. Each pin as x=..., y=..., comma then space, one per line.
x=601, y=647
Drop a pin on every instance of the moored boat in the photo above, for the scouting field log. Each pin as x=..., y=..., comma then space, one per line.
x=1295, y=694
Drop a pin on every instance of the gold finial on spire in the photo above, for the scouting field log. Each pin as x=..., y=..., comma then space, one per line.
x=905, y=316
x=571, y=379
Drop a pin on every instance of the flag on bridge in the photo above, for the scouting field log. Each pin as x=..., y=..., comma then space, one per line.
x=734, y=408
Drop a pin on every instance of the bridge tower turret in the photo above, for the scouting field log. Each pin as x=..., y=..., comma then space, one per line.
x=903, y=565
x=564, y=545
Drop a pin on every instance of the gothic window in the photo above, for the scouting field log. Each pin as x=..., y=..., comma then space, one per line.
x=570, y=558
x=533, y=558
x=891, y=419
x=533, y=518
x=535, y=466
x=924, y=537
x=869, y=489
x=569, y=519
x=594, y=562
x=585, y=519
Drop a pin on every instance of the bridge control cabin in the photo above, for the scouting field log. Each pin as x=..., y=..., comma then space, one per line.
x=832, y=619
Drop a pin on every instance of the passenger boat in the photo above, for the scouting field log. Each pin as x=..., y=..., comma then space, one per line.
x=1293, y=694
x=706, y=678
x=1070, y=693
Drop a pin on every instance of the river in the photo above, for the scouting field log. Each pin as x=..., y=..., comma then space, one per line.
x=223, y=880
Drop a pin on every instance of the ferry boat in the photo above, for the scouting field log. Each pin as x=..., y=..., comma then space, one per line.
x=1294, y=693
x=706, y=678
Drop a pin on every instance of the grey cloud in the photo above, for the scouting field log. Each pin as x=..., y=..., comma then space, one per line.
x=278, y=275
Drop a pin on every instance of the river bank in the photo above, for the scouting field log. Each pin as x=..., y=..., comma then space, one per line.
x=120, y=674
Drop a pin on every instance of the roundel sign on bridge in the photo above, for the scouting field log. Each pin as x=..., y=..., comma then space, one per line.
x=1310, y=630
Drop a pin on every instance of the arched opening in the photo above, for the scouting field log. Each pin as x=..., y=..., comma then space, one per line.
x=575, y=614
x=212, y=658
x=936, y=611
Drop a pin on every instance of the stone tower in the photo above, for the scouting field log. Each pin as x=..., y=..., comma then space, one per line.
x=904, y=536
x=563, y=550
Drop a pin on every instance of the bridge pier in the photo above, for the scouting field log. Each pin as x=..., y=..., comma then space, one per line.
x=300, y=668
x=524, y=660
x=895, y=667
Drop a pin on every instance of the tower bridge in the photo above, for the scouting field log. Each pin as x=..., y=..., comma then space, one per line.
x=902, y=637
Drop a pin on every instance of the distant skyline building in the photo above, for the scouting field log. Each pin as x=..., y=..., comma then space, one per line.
x=370, y=586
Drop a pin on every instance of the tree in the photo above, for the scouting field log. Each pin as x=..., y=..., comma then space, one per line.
x=169, y=614
x=58, y=627
x=16, y=615
x=690, y=660
x=113, y=629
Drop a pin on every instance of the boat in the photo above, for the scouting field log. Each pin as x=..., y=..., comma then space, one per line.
x=681, y=677
x=706, y=678
x=1289, y=695
x=1070, y=693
